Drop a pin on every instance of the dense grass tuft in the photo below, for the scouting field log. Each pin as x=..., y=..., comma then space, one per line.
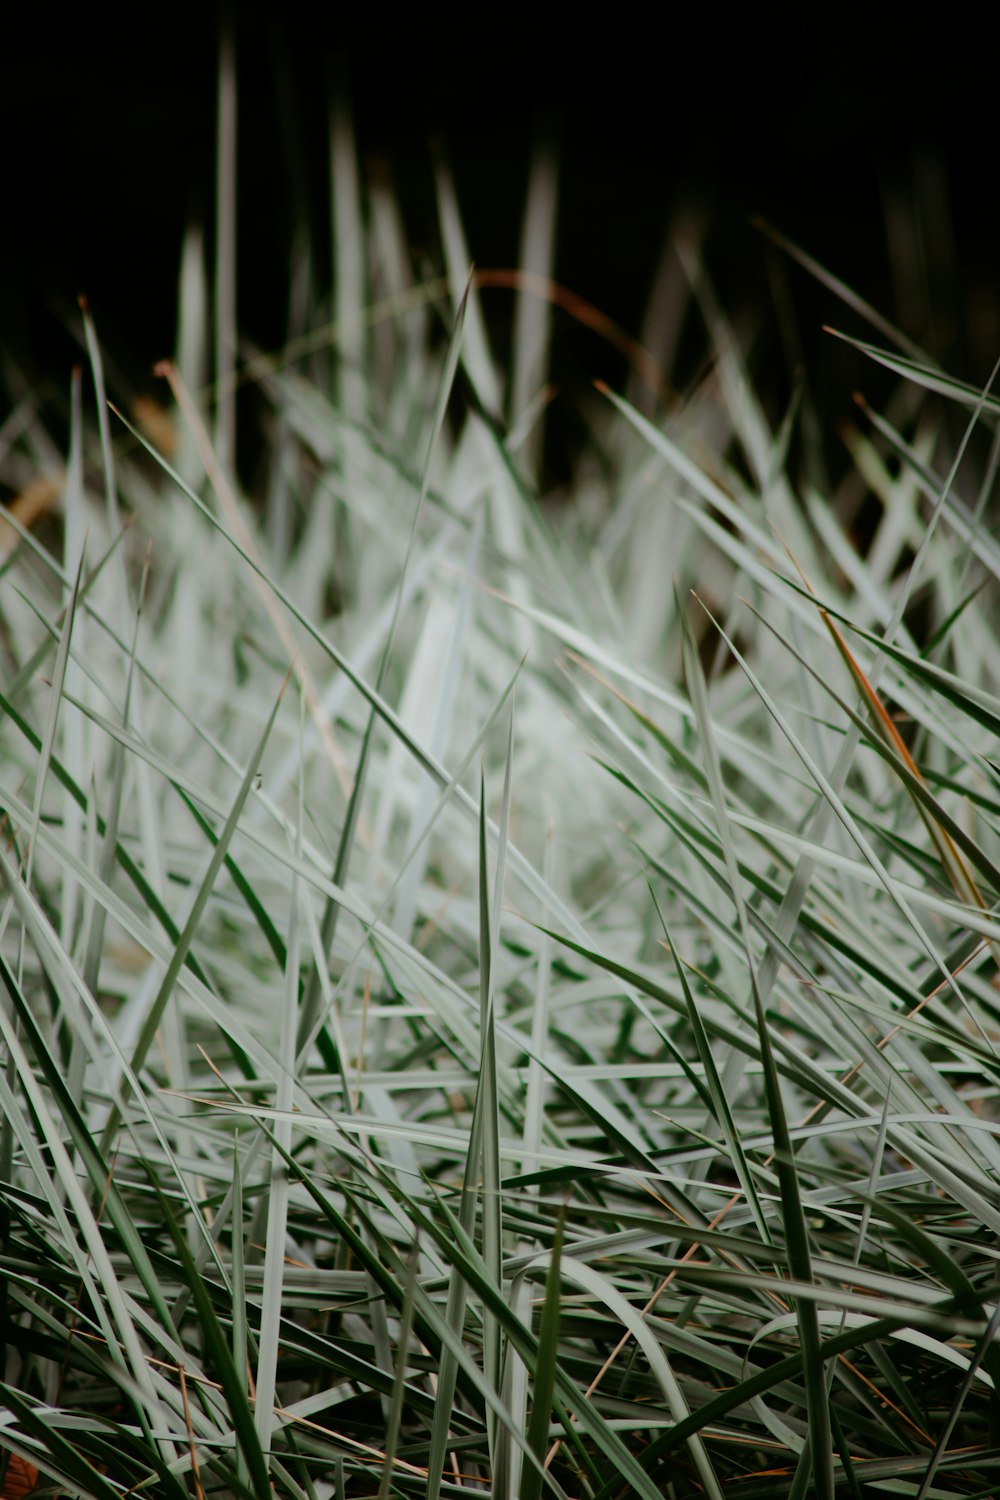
x=499, y=992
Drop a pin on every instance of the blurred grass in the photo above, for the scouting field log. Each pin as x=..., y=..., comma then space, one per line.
x=499, y=986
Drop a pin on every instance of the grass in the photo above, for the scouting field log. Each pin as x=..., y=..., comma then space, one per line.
x=499, y=995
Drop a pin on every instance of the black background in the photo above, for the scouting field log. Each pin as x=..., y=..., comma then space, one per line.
x=109, y=146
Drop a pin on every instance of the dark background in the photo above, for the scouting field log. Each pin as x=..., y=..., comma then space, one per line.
x=109, y=147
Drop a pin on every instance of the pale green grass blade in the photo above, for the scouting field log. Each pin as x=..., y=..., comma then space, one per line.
x=863, y=844
x=52, y=716
x=104, y=429
x=224, y=321
x=123, y=1334
x=481, y=1171
x=348, y=253
x=762, y=1382
x=720, y=1103
x=531, y=1039
x=255, y=904
x=980, y=541
x=56, y=1457
x=470, y=1266
x=928, y=377
x=599, y=1287
x=819, y=1447
x=533, y=313
x=432, y=817
x=32, y=1151
x=73, y=735
x=277, y=1185
x=489, y=939
x=240, y=1339
x=518, y=863
x=971, y=699
x=17, y=684
x=95, y=940
x=668, y=303
x=96, y=1168
x=192, y=341
x=155, y=1014
x=545, y=1372
x=840, y=289
x=77, y=1002
x=233, y=1384
x=393, y=1425
x=124, y=858
x=311, y=1000
x=480, y=361
x=930, y=807
x=388, y=1269
x=955, y=1412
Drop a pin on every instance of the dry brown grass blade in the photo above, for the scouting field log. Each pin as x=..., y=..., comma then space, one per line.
x=36, y=500
x=962, y=880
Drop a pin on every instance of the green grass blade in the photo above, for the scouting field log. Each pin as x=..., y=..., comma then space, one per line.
x=720, y=1103
x=277, y=1186
x=545, y=1371
x=793, y=1217
x=394, y=1424
x=241, y=1331
x=155, y=1014
x=928, y=377
x=311, y=999
x=52, y=716
x=220, y=1356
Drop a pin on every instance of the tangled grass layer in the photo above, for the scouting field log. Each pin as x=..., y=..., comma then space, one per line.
x=498, y=996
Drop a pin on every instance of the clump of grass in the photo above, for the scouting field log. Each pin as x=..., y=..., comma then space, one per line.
x=496, y=998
